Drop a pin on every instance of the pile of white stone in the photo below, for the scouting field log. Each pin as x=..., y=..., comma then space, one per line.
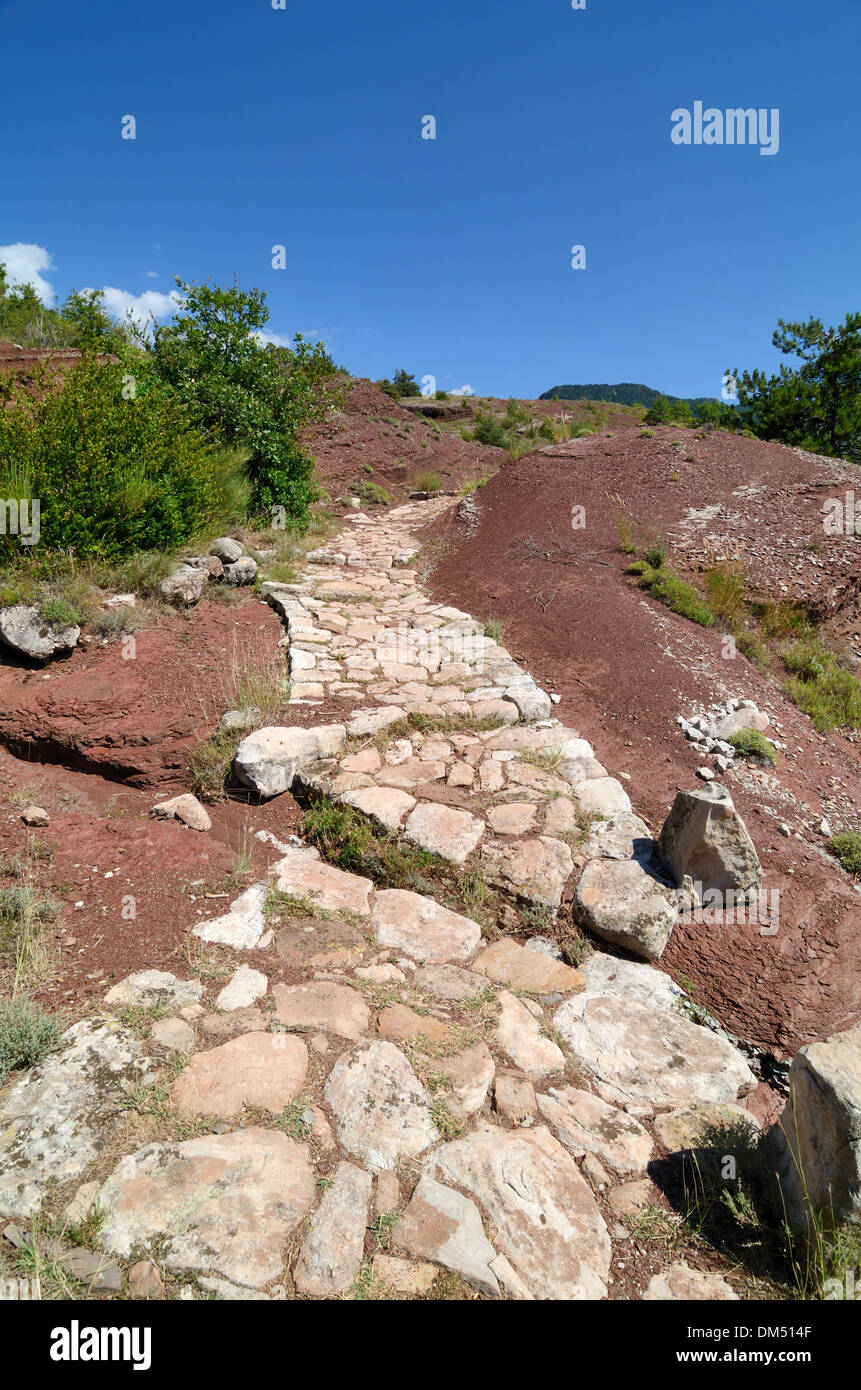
x=226, y=563
x=712, y=730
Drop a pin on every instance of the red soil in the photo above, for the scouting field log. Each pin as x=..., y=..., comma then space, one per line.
x=373, y=439
x=626, y=666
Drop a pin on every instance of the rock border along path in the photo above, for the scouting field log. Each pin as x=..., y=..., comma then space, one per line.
x=489, y=1104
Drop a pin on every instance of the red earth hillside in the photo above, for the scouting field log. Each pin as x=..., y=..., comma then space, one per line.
x=626, y=666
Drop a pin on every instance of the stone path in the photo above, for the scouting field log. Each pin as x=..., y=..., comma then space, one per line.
x=398, y=1098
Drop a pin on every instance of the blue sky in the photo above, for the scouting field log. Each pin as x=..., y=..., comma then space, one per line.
x=302, y=126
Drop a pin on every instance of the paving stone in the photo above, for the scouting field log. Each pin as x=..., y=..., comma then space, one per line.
x=444, y=831
x=150, y=988
x=256, y=1069
x=422, y=928
x=585, y=1124
x=174, y=1034
x=637, y=1053
x=382, y=1111
x=398, y=1023
x=223, y=1204
x=413, y=772
x=442, y=1225
x=387, y=1194
x=520, y=1036
x=387, y=805
x=220, y=1027
x=447, y=982
x=320, y=1004
x=622, y=903
x=684, y=1128
x=560, y=817
x=332, y=1250
x=319, y=943
x=55, y=1120
x=532, y=871
x=368, y=760
x=514, y=1097
x=680, y=1282
x=243, y=989
x=241, y=927
x=471, y=1075
x=547, y=1223
x=517, y=818
x=302, y=874
x=506, y=963
x=602, y=796
x=620, y=837
x=404, y=1277
x=368, y=722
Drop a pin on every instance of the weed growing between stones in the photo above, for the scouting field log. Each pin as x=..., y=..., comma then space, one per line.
x=846, y=848
x=751, y=744
x=350, y=841
x=27, y=958
x=732, y=1199
x=27, y=1034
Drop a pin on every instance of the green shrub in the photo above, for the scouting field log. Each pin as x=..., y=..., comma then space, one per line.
x=666, y=586
x=846, y=847
x=113, y=475
x=372, y=494
x=27, y=1033
x=246, y=395
x=821, y=687
x=750, y=743
x=487, y=430
x=428, y=481
x=656, y=552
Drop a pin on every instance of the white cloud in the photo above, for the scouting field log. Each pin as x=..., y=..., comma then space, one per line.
x=277, y=339
x=151, y=302
x=23, y=261
x=463, y=391
x=152, y=274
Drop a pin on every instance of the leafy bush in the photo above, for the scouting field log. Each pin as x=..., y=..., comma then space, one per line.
x=113, y=475
x=27, y=1033
x=488, y=430
x=846, y=847
x=245, y=394
x=404, y=384
x=750, y=743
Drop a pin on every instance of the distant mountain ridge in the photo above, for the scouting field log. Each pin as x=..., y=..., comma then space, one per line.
x=623, y=393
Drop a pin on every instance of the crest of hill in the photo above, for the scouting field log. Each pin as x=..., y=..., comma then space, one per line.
x=623, y=393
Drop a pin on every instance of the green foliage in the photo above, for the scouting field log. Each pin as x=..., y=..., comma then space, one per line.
x=817, y=404
x=247, y=395
x=821, y=687
x=114, y=475
x=429, y=481
x=91, y=325
x=846, y=847
x=372, y=494
x=81, y=323
x=27, y=1033
x=488, y=430
x=750, y=743
x=668, y=588
x=404, y=384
